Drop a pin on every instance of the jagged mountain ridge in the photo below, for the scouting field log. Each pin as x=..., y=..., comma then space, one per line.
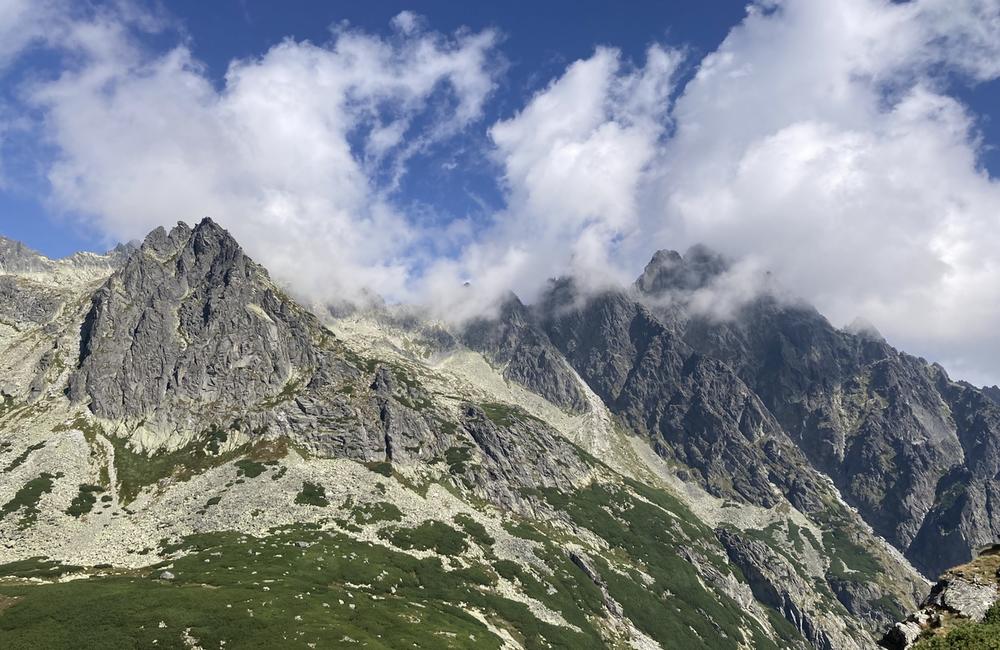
x=892, y=430
x=911, y=449
x=189, y=355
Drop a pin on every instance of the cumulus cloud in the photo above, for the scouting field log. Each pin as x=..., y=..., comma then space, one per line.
x=290, y=153
x=23, y=22
x=822, y=141
x=573, y=160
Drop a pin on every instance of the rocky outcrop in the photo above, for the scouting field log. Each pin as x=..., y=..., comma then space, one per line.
x=517, y=451
x=992, y=392
x=15, y=257
x=964, y=593
x=611, y=605
x=408, y=432
x=521, y=349
x=25, y=302
x=905, y=634
x=963, y=597
x=670, y=272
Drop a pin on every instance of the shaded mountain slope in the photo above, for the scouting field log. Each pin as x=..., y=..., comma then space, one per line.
x=901, y=440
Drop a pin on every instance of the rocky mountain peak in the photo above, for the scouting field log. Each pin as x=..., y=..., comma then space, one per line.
x=864, y=329
x=669, y=271
x=15, y=257
x=190, y=320
x=206, y=239
x=993, y=393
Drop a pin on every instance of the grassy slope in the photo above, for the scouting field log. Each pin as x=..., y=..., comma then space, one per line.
x=250, y=592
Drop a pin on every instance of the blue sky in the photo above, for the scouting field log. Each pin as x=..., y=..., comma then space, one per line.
x=847, y=149
x=539, y=40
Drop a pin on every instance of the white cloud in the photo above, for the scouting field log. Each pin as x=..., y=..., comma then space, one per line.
x=573, y=161
x=23, y=22
x=821, y=140
x=145, y=139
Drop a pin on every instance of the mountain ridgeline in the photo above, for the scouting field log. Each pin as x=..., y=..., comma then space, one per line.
x=614, y=470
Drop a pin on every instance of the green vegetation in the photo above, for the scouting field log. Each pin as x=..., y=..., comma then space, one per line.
x=524, y=530
x=7, y=404
x=296, y=586
x=376, y=512
x=214, y=439
x=566, y=589
x=137, y=470
x=17, y=462
x=80, y=423
x=457, y=457
x=474, y=530
x=385, y=469
x=249, y=468
x=312, y=494
x=795, y=537
x=36, y=567
x=849, y=561
x=288, y=590
x=966, y=635
x=363, y=364
x=429, y=536
x=288, y=391
x=647, y=532
x=506, y=415
x=84, y=500
x=27, y=498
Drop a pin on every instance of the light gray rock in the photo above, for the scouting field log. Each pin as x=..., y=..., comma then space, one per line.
x=963, y=597
x=187, y=327
x=902, y=635
x=610, y=604
x=15, y=257
x=522, y=350
x=519, y=452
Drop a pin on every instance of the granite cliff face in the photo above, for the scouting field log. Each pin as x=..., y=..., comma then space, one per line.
x=900, y=440
x=189, y=323
x=693, y=408
x=526, y=354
